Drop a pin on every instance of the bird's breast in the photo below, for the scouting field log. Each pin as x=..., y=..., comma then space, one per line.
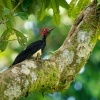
x=38, y=53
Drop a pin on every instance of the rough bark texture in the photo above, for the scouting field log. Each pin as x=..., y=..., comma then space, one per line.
x=58, y=72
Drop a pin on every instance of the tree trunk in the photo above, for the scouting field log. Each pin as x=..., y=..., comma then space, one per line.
x=56, y=73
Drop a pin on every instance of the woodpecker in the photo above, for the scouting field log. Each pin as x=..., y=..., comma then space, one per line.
x=34, y=47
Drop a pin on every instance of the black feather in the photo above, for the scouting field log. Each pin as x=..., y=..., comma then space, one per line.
x=30, y=50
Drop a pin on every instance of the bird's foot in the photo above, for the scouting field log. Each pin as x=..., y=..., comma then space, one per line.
x=38, y=59
x=31, y=58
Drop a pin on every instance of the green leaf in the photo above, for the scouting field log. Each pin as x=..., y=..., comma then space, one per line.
x=21, y=38
x=7, y=3
x=98, y=1
x=3, y=45
x=9, y=23
x=63, y=4
x=47, y=3
x=80, y=5
x=85, y=3
x=22, y=15
x=6, y=11
x=4, y=40
x=72, y=4
x=56, y=12
x=56, y=18
x=41, y=13
x=26, y=4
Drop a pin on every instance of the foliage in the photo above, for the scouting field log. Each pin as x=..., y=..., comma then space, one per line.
x=10, y=9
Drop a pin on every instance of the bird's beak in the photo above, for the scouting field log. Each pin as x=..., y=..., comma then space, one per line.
x=50, y=30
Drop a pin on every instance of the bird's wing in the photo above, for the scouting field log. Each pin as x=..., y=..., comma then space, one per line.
x=28, y=52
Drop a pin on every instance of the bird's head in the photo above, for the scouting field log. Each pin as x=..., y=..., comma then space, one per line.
x=46, y=31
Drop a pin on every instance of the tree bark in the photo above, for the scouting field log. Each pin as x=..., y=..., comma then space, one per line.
x=56, y=73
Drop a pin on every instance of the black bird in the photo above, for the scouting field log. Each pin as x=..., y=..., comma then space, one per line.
x=33, y=48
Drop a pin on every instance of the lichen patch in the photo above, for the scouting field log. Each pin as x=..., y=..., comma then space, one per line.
x=30, y=64
x=83, y=50
x=12, y=92
x=14, y=70
x=25, y=70
x=33, y=76
x=84, y=36
x=18, y=79
x=26, y=83
x=71, y=72
x=65, y=58
x=78, y=60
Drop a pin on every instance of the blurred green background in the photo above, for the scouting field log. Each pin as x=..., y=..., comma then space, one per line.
x=86, y=85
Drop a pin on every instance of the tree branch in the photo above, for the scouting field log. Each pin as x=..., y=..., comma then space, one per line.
x=58, y=72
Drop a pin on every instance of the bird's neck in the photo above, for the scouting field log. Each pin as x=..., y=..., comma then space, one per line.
x=44, y=38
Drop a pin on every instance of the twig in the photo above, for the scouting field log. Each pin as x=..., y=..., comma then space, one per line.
x=17, y=6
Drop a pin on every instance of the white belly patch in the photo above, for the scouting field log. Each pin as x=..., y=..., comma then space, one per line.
x=38, y=53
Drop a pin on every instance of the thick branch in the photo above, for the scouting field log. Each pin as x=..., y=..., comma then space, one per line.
x=56, y=73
